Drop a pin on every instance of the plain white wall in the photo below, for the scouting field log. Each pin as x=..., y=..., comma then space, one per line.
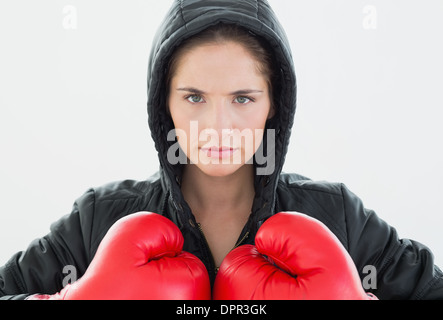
x=73, y=105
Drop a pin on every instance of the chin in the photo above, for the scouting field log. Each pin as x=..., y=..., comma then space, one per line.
x=219, y=170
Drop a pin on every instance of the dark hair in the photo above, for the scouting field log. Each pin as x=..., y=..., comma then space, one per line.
x=223, y=32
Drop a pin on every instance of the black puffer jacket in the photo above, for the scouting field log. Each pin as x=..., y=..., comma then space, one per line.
x=404, y=268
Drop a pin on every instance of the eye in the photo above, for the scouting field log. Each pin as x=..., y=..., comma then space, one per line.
x=195, y=98
x=243, y=100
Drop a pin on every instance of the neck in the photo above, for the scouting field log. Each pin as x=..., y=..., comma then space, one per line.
x=212, y=196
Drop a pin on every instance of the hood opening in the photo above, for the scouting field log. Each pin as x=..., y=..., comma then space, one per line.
x=189, y=17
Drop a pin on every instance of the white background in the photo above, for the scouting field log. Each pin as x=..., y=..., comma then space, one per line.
x=73, y=105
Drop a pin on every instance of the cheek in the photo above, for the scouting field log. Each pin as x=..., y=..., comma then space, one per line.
x=260, y=123
x=180, y=124
x=255, y=119
x=187, y=135
x=253, y=127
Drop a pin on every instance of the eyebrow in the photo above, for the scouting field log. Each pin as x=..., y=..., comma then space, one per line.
x=235, y=93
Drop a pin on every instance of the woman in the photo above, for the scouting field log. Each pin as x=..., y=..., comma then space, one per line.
x=221, y=103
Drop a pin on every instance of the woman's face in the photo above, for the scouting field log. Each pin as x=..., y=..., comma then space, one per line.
x=219, y=103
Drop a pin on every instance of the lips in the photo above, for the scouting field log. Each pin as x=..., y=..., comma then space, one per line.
x=219, y=152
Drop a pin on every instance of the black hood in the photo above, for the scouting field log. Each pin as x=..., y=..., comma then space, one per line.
x=189, y=17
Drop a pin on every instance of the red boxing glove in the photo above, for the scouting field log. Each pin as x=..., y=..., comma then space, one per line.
x=295, y=257
x=140, y=258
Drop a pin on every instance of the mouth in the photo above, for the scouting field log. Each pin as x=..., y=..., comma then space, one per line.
x=219, y=152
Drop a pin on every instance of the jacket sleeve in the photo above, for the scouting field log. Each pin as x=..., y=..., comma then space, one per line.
x=404, y=269
x=63, y=252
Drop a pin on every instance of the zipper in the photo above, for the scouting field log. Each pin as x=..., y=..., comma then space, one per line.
x=241, y=240
x=199, y=227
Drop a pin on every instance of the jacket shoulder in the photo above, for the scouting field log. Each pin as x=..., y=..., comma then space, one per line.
x=296, y=181
x=322, y=200
x=100, y=207
x=127, y=189
x=120, y=198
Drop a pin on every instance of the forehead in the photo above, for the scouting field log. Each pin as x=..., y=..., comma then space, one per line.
x=226, y=62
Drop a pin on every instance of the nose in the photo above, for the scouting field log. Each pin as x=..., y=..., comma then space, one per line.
x=218, y=122
x=221, y=118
